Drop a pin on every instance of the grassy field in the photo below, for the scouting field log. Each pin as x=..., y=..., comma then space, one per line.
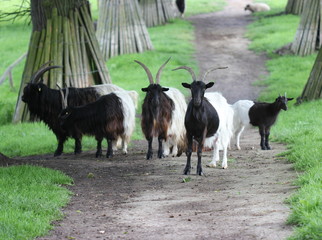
x=31, y=198
x=300, y=126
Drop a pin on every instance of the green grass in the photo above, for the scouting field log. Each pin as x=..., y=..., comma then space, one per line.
x=300, y=126
x=194, y=7
x=30, y=199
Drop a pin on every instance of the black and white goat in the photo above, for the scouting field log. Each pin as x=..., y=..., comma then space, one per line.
x=110, y=117
x=260, y=114
x=45, y=103
x=163, y=109
x=201, y=119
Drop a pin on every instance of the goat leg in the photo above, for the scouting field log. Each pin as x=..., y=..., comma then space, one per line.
x=150, y=152
x=78, y=146
x=262, y=134
x=199, y=153
x=267, y=132
x=99, y=148
x=109, y=148
x=60, y=146
x=189, y=153
x=160, y=150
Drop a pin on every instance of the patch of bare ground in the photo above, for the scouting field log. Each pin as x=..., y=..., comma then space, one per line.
x=128, y=197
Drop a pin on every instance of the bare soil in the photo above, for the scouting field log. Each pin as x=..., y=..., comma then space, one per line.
x=129, y=197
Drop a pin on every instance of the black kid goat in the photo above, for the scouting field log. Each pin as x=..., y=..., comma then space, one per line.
x=103, y=118
x=264, y=115
x=201, y=120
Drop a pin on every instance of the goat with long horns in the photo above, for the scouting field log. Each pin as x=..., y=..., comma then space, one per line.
x=163, y=109
x=201, y=119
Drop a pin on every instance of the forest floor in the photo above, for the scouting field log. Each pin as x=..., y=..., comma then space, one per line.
x=129, y=197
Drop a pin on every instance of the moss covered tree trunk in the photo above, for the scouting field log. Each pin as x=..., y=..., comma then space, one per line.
x=294, y=7
x=313, y=87
x=121, y=28
x=158, y=12
x=63, y=33
x=308, y=35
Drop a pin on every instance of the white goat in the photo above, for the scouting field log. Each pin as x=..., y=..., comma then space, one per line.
x=221, y=140
x=176, y=130
x=257, y=7
x=241, y=118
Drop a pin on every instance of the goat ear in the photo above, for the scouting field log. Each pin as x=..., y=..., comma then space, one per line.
x=144, y=89
x=210, y=84
x=165, y=89
x=289, y=99
x=186, y=85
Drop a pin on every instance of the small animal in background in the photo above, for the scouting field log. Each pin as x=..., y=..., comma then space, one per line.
x=260, y=114
x=257, y=7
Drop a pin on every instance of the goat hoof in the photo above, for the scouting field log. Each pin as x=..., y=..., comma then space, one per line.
x=57, y=154
x=186, y=172
x=200, y=173
x=97, y=155
x=211, y=165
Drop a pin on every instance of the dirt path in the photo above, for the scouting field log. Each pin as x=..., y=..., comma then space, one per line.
x=132, y=198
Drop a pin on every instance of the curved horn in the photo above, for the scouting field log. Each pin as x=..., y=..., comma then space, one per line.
x=40, y=72
x=285, y=94
x=210, y=70
x=40, y=68
x=189, y=70
x=63, y=99
x=147, y=71
x=157, y=78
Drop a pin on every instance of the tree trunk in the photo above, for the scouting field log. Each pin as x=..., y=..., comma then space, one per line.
x=294, y=7
x=121, y=28
x=63, y=33
x=313, y=87
x=308, y=35
x=158, y=12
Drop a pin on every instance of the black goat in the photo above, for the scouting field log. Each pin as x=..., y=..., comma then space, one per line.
x=103, y=119
x=201, y=120
x=157, y=110
x=181, y=6
x=264, y=115
x=45, y=104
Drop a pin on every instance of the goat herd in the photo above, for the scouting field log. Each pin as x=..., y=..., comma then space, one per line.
x=108, y=111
